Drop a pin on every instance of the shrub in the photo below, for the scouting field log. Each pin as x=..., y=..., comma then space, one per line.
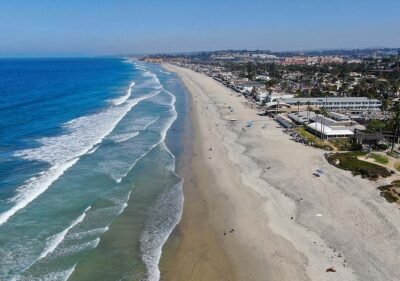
x=380, y=146
x=379, y=158
x=345, y=145
x=389, y=196
x=389, y=191
x=349, y=162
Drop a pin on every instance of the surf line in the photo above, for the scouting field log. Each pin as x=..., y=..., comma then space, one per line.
x=125, y=97
x=35, y=186
x=163, y=134
x=58, y=238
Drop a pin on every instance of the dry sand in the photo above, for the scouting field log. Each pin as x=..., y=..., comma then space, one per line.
x=288, y=224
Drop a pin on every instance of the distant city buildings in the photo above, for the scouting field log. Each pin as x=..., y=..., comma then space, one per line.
x=306, y=60
x=299, y=87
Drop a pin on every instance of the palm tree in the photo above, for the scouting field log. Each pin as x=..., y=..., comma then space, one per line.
x=385, y=107
x=396, y=123
x=317, y=112
x=396, y=86
x=277, y=106
x=270, y=93
x=308, y=111
x=324, y=113
x=298, y=107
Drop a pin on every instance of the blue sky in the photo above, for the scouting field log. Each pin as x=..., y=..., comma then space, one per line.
x=96, y=27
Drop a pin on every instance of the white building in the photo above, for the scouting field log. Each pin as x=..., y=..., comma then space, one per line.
x=341, y=104
x=328, y=128
x=274, y=96
x=326, y=132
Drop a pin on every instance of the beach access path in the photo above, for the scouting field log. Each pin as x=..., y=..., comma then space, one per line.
x=254, y=211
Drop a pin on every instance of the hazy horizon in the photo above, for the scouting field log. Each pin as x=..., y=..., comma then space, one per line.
x=102, y=28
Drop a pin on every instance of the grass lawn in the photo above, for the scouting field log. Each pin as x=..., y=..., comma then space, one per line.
x=393, y=154
x=317, y=142
x=305, y=134
x=345, y=144
x=349, y=162
x=397, y=166
x=381, y=159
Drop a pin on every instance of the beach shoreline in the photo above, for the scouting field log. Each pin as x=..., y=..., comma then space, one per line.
x=253, y=210
x=190, y=239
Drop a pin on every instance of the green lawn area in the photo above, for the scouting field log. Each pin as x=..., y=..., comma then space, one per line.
x=345, y=144
x=348, y=161
x=305, y=134
x=397, y=166
x=381, y=159
x=317, y=142
x=341, y=144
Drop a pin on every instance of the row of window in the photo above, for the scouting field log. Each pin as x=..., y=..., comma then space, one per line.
x=347, y=103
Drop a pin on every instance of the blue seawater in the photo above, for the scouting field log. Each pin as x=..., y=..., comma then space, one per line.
x=88, y=189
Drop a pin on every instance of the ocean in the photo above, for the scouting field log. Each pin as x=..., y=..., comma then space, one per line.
x=88, y=182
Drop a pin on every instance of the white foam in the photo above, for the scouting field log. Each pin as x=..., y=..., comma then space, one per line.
x=167, y=213
x=56, y=239
x=34, y=187
x=129, y=60
x=78, y=247
x=91, y=232
x=124, y=137
x=169, y=166
x=52, y=276
x=154, y=237
x=172, y=119
x=150, y=123
x=68, y=273
x=107, y=212
x=125, y=97
x=93, y=149
x=59, y=237
x=165, y=72
x=139, y=64
x=63, y=151
x=82, y=134
x=163, y=134
x=151, y=82
x=114, y=210
x=142, y=123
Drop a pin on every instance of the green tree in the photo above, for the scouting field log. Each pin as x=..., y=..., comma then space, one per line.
x=250, y=71
x=309, y=108
x=324, y=113
x=317, y=113
x=270, y=83
x=298, y=107
x=396, y=122
x=385, y=107
x=375, y=125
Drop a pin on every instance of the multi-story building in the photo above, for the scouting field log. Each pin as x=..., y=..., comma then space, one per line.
x=340, y=104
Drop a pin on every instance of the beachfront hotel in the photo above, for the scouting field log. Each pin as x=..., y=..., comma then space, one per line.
x=335, y=126
x=340, y=104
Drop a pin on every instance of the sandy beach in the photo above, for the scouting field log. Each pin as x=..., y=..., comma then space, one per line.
x=254, y=211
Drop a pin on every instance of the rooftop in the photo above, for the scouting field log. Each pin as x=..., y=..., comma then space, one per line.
x=328, y=131
x=332, y=99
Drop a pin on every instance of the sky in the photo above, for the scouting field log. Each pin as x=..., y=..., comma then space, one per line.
x=112, y=27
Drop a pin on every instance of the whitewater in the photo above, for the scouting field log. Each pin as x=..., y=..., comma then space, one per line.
x=88, y=174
